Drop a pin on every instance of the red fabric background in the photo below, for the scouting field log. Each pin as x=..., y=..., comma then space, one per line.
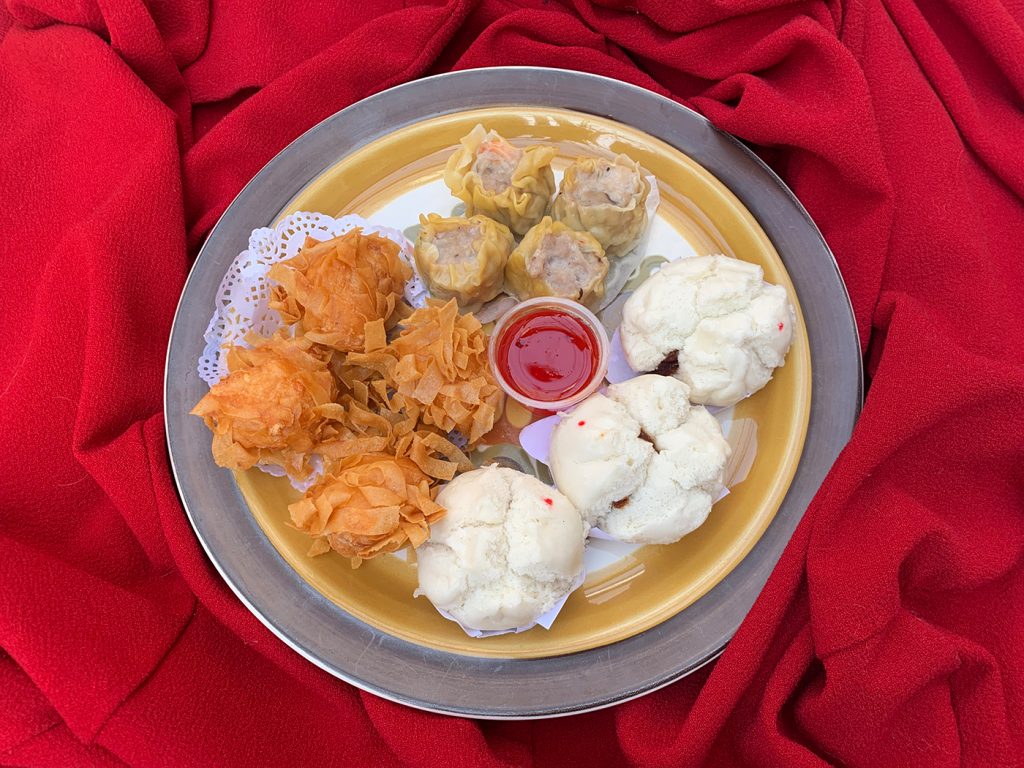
x=891, y=632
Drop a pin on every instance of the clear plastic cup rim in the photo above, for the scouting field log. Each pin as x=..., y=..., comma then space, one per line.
x=581, y=313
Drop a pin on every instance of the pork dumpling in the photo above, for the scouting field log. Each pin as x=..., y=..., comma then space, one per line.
x=463, y=258
x=508, y=184
x=556, y=260
x=607, y=199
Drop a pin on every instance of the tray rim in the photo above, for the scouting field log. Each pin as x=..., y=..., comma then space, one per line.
x=545, y=87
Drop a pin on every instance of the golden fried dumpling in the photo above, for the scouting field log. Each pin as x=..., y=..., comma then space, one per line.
x=556, y=260
x=369, y=504
x=269, y=408
x=508, y=184
x=605, y=198
x=334, y=288
x=463, y=258
x=438, y=363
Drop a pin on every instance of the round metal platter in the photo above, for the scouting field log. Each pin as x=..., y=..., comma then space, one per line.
x=485, y=686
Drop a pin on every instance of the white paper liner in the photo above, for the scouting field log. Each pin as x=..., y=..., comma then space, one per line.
x=622, y=268
x=618, y=367
x=535, y=438
x=276, y=470
x=545, y=620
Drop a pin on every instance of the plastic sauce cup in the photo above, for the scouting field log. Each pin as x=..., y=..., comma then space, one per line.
x=549, y=353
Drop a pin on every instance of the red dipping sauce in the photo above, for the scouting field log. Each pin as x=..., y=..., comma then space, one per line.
x=549, y=353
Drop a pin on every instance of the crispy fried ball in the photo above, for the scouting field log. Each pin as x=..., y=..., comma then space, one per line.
x=270, y=408
x=334, y=288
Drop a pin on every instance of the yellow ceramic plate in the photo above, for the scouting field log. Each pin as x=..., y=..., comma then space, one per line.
x=649, y=584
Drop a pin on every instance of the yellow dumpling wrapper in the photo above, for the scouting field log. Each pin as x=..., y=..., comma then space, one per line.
x=510, y=185
x=463, y=258
x=606, y=198
x=556, y=260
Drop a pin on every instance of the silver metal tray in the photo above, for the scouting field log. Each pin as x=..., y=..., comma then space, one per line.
x=484, y=687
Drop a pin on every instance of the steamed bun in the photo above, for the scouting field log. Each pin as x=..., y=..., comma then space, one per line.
x=640, y=462
x=713, y=323
x=508, y=549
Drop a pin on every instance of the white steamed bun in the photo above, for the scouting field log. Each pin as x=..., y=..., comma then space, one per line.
x=729, y=328
x=508, y=549
x=640, y=462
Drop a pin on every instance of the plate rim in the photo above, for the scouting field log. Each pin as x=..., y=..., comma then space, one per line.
x=492, y=84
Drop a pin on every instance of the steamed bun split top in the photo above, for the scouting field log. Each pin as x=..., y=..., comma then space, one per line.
x=639, y=461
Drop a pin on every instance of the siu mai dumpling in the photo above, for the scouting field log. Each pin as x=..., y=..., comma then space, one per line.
x=510, y=185
x=556, y=260
x=607, y=199
x=463, y=258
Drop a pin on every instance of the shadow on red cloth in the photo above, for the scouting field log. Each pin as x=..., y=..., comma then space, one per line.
x=891, y=633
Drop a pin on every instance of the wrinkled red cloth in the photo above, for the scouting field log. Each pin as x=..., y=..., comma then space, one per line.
x=892, y=631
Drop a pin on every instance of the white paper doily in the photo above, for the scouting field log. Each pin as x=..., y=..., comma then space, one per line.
x=243, y=298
